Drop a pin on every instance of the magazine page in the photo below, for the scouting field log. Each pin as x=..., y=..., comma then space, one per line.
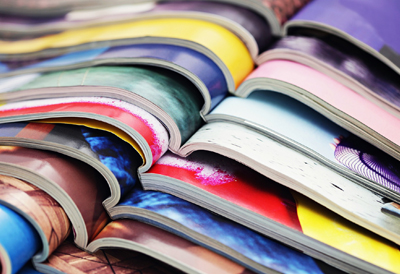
x=51, y=219
x=115, y=159
x=355, y=113
x=219, y=40
x=360, y=23
x=281, y=115
x=139, y=124
x=77, y=187
x=166, y=90
x=344, y=63
x=71, y=260
x=165, y=246
x=212, y=79
x=299, y=127
x=298, y=172
x=21, y=242
x=243, y=245
x=46, y=8
x=97, y=125
x=239, y=17
x=244, y=193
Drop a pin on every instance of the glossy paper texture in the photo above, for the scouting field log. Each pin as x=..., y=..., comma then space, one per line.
x=350, y=61
x=145, y=124
x=247, y=19
x=374, y=23
x=18, y=239
x=223, y=43
x=118, y=156
x=173, y=247
x=171, y=92
x=197, y=63
x=333, y=93
x=244, y=187
x=250, y=244
x=70, y=259
x=84, y=185
x=41, y=207
x=287, y=118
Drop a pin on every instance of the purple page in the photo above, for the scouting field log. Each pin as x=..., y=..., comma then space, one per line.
x=348, y=59
x=374, y=23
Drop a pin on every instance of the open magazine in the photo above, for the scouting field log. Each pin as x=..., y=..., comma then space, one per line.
x=273, y=13
x=238, y=243
x=336, y=102
x=360, y=24
x=226, y=45
x=153, y=207
x=206, y=139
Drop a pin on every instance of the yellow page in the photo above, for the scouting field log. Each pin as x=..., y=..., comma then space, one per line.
x=97, y=125
x=227, y=46
x=334, y=230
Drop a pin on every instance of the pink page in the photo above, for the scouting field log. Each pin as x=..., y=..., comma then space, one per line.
x=334, y=94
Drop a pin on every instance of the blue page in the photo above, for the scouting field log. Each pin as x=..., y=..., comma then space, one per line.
x=18, y=238
x=287, y=117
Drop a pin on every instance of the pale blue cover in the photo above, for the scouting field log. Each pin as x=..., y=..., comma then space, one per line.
x=287, y=117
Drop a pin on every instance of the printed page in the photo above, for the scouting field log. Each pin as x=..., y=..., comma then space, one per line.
x=40, y=206
x=238, y=185
x=253, y=247
x=298, y=172
x=288, y=118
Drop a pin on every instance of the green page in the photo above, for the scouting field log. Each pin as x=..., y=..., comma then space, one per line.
x=170, y=91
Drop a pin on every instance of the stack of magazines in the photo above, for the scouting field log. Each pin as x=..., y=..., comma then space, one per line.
x=199, y=136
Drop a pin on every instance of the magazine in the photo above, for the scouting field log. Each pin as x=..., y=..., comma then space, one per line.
x=147, y=239
x=301, y=128
x=86, y=144
x=48, y=224
x=24, y=235
x=360, y=24
x=166, y=95
x=355, y=114
x=242, y=22
x=51, y=226
x=206, y=71
x=227, y=46
x=247, y=197
x=70, y=260
x=77, y=187
x=345, y=63
x=274, y=12
x=255, y=251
